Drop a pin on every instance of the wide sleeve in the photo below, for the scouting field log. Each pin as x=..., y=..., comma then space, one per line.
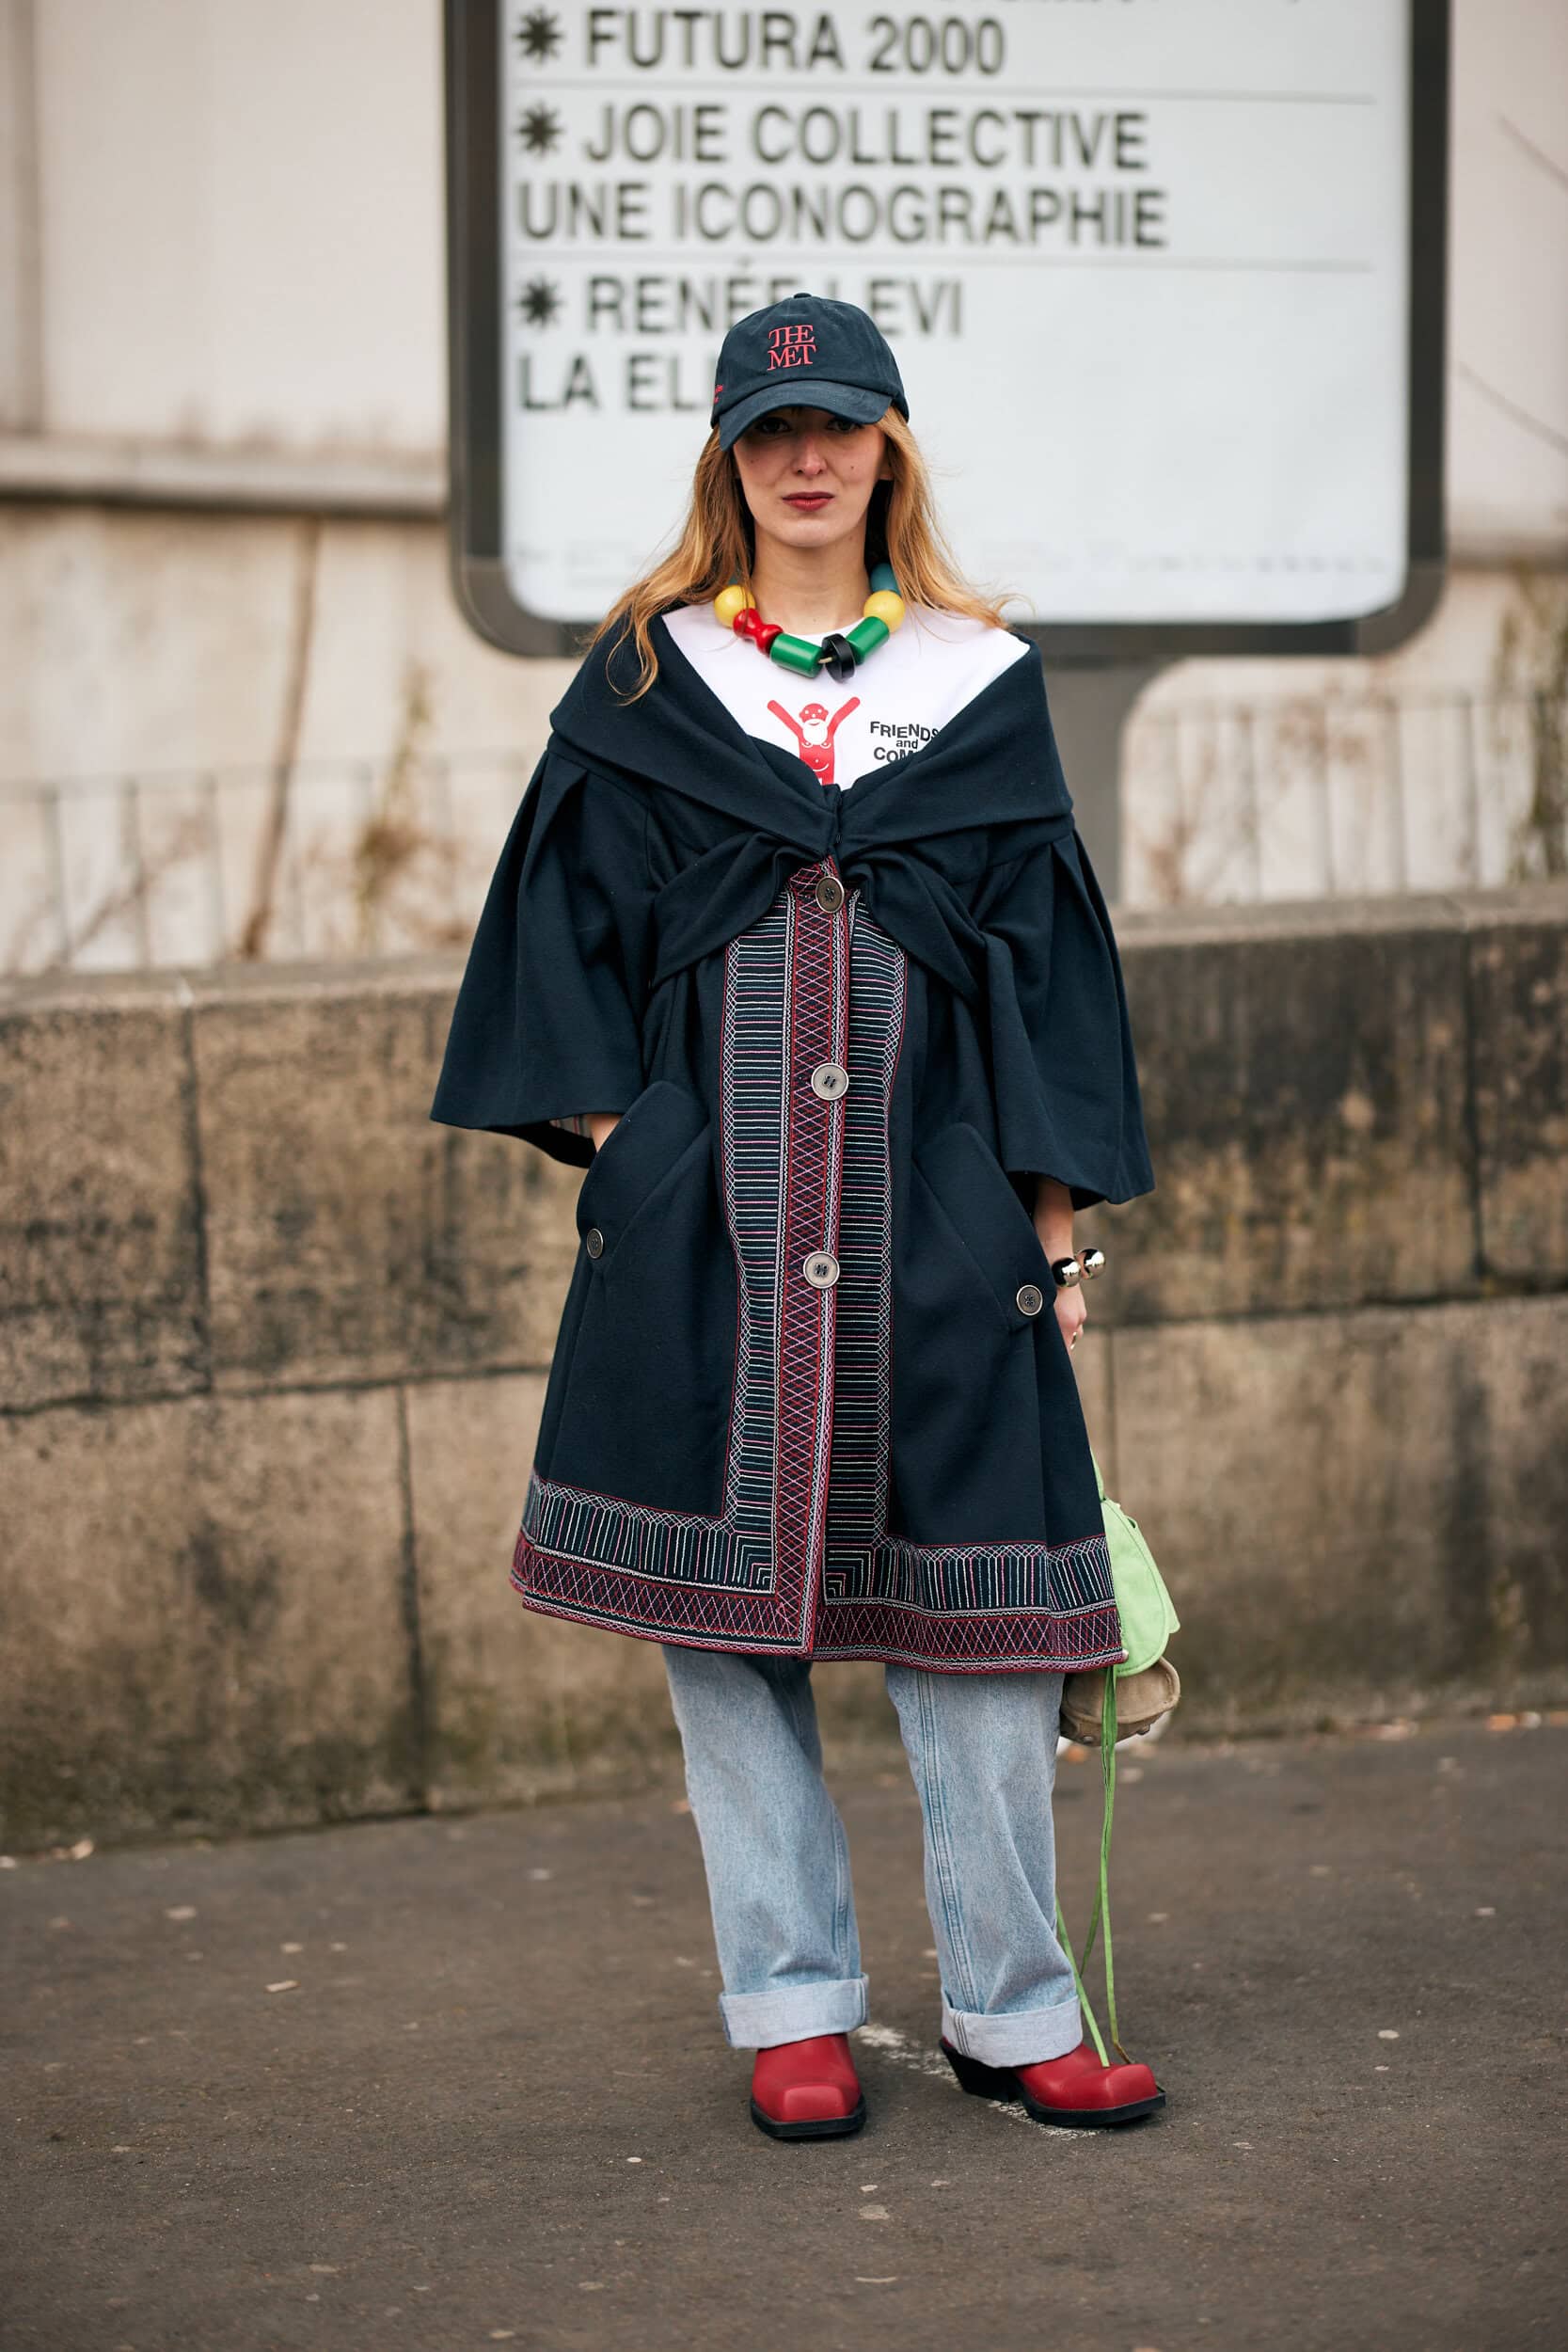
x=1068, y=1103
x=548, y=1023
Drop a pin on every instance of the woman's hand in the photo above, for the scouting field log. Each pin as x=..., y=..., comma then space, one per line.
x=1054, y=1224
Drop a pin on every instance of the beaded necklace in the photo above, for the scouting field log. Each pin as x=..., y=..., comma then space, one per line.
x=840, y=653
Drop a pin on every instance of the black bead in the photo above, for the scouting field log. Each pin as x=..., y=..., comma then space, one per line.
x=840, y=660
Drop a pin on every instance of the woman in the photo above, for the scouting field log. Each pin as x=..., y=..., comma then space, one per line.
x=795, y=947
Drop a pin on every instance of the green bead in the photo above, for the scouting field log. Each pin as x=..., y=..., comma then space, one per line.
x=881, y=578
x=867, y=634
x=796, y=653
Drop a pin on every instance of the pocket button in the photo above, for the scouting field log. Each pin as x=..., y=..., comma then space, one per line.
x=1031, y=1299
x=593, y=1241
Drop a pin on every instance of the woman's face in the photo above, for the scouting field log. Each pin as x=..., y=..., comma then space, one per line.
x=808, y=476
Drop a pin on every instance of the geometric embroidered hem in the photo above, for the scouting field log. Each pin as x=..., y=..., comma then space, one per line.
x=800, y=1559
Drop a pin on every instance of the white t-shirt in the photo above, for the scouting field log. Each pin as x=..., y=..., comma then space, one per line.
x=912, y=684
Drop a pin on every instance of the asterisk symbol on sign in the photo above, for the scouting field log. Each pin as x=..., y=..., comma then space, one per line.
x=539, y=302
x=539, y=129
x=539, y=35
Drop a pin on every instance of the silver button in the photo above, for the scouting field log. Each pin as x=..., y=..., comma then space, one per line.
x=1031, y=1299
x=829, y=1079
x=820, y=1269
x=593, y=1241
x=830, y=893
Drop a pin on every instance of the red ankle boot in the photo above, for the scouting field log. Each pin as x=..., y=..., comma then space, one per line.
x=1075, y=2090
x=807, y=2090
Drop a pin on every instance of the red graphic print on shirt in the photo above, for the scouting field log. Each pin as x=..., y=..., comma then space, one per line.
x=813, y=733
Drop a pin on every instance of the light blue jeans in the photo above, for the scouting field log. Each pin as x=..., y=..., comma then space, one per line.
x=982, y=1749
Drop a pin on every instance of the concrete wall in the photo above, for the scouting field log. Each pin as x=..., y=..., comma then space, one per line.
x=272, y=1350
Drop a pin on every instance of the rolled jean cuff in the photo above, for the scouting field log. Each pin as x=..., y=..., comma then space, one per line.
x=1018, y=2038
x=792, y=2012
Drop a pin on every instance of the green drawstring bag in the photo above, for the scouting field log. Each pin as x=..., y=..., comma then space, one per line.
x=1112, y=1703
x=1148, y=1686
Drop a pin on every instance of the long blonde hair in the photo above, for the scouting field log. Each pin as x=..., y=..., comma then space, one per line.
x=718, y=544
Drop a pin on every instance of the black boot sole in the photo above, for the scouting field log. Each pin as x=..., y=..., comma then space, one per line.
x=813, y=2127
x=1000, y=2082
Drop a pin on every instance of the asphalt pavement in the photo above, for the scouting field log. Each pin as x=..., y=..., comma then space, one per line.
x=440, y=2083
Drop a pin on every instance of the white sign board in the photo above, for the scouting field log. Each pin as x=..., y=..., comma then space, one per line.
x=1145, y=266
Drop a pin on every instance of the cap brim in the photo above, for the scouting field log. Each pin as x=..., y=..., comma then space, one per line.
x=840, y=400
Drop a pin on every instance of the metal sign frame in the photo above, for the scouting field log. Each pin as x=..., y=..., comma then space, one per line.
x=475, y=508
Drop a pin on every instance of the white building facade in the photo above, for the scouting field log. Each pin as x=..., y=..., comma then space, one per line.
x=241, y=713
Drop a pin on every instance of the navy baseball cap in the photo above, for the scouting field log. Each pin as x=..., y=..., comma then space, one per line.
x=808, y=350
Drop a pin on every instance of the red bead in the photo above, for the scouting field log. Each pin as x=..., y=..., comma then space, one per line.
x=749, y=622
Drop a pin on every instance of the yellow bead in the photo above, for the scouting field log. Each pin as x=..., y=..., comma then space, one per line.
x=884, y=606
x=727, y=603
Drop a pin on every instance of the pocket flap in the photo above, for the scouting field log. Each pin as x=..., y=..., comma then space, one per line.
x=647, y=1138
x=996, y=1229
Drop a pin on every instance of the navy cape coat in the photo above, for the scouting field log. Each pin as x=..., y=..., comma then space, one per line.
x=809, y=1396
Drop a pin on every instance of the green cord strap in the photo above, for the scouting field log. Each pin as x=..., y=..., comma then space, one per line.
x=1101, y=1910
x=1078, y=1982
